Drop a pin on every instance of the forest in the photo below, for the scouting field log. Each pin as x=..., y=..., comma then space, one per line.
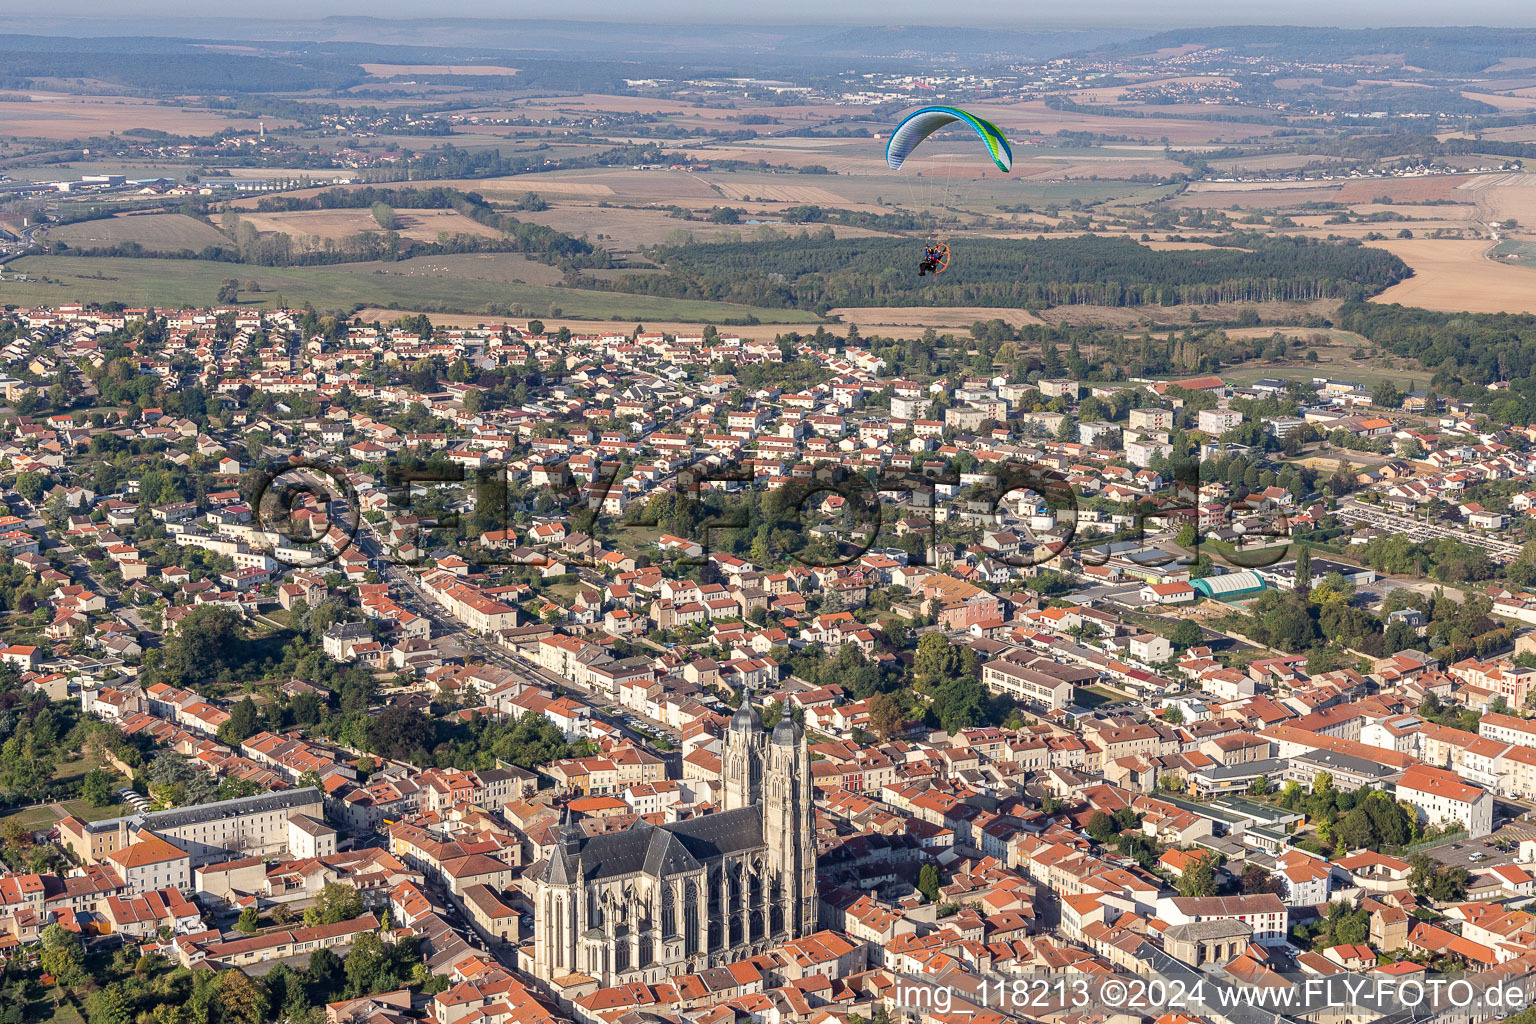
x=820, y=273
x=154, y=64
x=1464, y=352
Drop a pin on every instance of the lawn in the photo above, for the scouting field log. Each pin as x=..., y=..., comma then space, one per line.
x=71, y=770
x=34, y=818
x=42, y=1007
x=633, y=537
x=1097, y=696
x=192, y=283
x=85, y=812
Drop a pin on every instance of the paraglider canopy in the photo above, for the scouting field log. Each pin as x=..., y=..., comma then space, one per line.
x=920, y=124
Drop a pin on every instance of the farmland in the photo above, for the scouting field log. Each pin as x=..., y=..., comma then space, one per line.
x=52, y=116
x=1455, y=277
x=333, y=225
x=158, y=232
x=170, y=282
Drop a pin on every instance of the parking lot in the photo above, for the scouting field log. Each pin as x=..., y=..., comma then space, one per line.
x=1481, y=854
x=1421, y=531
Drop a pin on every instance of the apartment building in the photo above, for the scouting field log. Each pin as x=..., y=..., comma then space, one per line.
x=1443, y=798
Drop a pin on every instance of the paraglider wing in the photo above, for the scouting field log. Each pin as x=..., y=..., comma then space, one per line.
x=920, y=124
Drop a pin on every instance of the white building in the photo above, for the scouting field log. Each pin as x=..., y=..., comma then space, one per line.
x=149, y=863
x=1308, y=878
x=1264, y=913
x=1442, y=797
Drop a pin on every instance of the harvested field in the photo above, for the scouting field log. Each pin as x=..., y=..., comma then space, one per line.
x=71, y=117
x=631, y=230
x=584, y=189
x=159, y=232
x=882, y=319
x=1502, y=102
x=808, y=194
x=1181, y=246
x=1454, y=276
x=1142, y=316
x=391, y=70
x=1404, y=190
x=1277, y=195
x=1019, y=119
x=1253, y=199
x=418, y=225
x=1506, y=197
x=1255, y=186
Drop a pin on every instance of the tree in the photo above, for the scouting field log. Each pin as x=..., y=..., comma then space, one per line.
x=928, y=882
x=384, y=216
x=936, y=658
x=285, y=992
x=1303, y=569
x=1429, y=878
x=207, y=642
x=243, y=723
x=30, y=486
x=885, y=715
x=365, y=963
x=473, y=400
x=96, y=788
x=1386, y=394
x=326, y=973
x=249, y=922
x=959, y=703
x=242, y=999
x=1101, y=826
x=398, y=732
x=337, y=902
x=1186, y=634
x=63, y=956
x=108, y=1005
x=1355, y=831
x=1199, y=879
x=229, y=292
x=1255, y=881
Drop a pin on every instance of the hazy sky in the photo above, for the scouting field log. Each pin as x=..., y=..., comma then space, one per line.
x=1353, y=13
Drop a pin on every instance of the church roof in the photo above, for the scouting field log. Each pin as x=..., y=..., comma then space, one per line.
x=713, y=835
x=664, y=855
x=658, y=851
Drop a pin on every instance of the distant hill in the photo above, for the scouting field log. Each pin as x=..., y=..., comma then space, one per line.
x=1447, y=50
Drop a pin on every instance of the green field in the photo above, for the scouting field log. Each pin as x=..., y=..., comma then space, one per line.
x=85, y=812
x=1516, y=253
x=156, y=232
x=191, y=283
x=35, y=818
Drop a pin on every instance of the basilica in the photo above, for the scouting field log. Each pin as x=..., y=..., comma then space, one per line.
x=655, y=902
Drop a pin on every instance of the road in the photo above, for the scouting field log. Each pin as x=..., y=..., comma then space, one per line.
x=414, y=596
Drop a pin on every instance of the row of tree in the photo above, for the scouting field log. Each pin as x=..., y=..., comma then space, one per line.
x=823, y=273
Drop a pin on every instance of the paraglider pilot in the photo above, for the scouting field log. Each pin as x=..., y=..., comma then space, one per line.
x=930, y=264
